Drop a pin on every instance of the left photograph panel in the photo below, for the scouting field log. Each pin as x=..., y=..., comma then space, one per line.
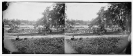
x=33, y=27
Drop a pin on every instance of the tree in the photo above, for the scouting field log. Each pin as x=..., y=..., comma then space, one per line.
x=116, y=14
x=5, y=21
x=53, y=16
x=13, y=24
x=99, y=21
x=119, y=14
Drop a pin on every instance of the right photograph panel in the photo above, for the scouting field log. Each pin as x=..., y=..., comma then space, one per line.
x=98, y=28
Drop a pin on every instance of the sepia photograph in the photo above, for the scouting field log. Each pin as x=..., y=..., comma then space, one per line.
x=33, y=28
x=98, y=28
x=66, y=27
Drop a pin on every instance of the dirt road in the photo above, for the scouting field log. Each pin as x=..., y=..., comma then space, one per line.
x=68, y=37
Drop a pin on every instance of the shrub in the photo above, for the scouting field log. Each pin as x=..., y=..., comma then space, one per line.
x=99, y=45
x=40, y=45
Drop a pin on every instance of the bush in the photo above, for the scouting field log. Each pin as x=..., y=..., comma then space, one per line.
x=40, y=45
x=99, y=45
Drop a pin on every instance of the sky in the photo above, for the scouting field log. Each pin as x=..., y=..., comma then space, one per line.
x=25, y=10
x=83, y=11
x=32, y=11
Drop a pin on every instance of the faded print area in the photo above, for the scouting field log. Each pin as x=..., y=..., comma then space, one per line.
x=34, y=28
x=66, y=28
x=98, y=28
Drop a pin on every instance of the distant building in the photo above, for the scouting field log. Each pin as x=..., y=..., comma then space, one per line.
x=26, y=27
x=80, y=26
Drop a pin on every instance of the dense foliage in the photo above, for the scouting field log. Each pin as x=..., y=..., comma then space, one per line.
x=40, y=45
x=53, y=16
x=116, y=14
x=99, y=45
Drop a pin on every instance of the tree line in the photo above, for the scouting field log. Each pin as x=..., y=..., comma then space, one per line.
x=116, y=14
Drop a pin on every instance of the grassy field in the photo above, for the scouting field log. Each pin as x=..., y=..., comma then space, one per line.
x=99, y=45
x=40, y=45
